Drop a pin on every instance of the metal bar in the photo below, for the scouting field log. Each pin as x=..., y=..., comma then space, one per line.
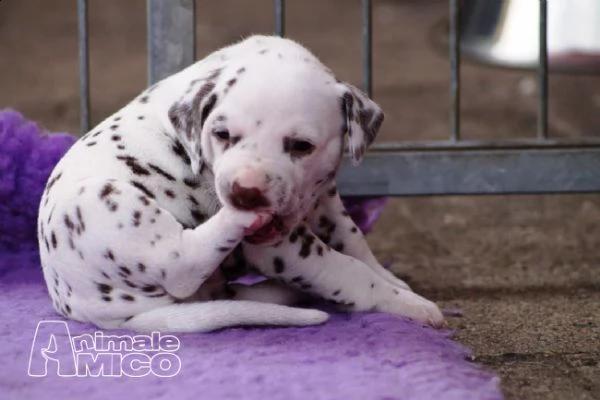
x=473, y=173
x=542, y=126
x=367, y=46
x=280, y=17
x=84, y=66
x=171, y=37
x=454, y=70
x=449, y=145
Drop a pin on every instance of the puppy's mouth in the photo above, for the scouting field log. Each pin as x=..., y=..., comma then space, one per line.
x=274, y=229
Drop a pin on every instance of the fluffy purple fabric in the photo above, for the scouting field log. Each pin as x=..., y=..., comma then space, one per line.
x=27, y=156
x=359, y=356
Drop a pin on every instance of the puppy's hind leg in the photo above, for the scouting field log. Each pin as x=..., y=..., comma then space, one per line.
x=213, y=315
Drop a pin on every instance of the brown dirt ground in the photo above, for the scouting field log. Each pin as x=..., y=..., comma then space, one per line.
x=523, y=268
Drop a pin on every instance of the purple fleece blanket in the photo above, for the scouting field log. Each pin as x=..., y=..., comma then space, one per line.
x=359, y=356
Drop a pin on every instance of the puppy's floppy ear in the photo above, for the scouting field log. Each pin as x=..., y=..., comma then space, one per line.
x=188, y=114
x=362, y=120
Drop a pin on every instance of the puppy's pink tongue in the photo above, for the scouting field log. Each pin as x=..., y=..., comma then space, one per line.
x=259, y=222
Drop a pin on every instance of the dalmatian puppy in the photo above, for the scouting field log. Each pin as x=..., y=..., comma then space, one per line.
x=224, y=167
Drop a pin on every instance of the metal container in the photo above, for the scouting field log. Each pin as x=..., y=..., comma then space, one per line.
x=506, y=33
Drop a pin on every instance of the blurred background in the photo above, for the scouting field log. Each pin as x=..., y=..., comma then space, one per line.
x=525, y=270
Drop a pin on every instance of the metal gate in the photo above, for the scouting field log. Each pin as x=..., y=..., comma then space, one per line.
x=453, y=166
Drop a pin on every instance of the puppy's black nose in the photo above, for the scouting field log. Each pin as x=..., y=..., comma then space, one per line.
x=244, y=198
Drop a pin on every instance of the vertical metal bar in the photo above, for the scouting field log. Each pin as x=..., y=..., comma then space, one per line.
x=280, y=17
x=171, y=37
x=454, y=71
x=542, y=126
x=367, y=46
x=84, y=65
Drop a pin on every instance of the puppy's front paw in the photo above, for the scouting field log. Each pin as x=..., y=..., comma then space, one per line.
x=245, y=222
x=412, y=305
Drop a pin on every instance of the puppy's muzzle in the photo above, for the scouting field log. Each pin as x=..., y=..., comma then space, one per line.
x=247, y=198
x=249, y=189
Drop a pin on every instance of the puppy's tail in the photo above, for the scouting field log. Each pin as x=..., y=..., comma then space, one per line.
x=213, y=315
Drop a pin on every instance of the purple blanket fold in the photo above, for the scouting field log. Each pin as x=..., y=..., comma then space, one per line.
x=358, y=356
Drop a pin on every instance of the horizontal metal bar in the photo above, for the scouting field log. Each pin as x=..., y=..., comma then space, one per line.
x=449, y=145
x=473, y=172
x=171, y=37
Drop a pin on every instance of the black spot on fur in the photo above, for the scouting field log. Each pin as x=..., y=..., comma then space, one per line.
x=143, y=188
x=127, y=297
x=145, y=200
x=162, y=172
x=97, y=133
x=104, y=288
x=192, y=183
x=332, y=192
x=279, y=265
x=150, y=288
x=241, y=70
x=106, y=190
x=108, y=254
x=90, y=144
x=337, y=292
x=107, y=298
x=223, y=249
x=134, y=165
x=193, y=200
x=140, y=117
x=114, y=127
x=307, y=242
x=53, y=240
x=144, y=99
x=297, y=279
x=121, y=147
x=80, y=218
x=125, y=270
x=52, y=181
x=130, y=284
x=169, y=193
x=320, y=250
x=141, y=267
x=210, y=104
x=137, y=215
x=115, y=138
x=179, y=150
x=69, y=223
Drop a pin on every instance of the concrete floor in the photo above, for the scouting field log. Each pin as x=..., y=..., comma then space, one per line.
x=524, y=269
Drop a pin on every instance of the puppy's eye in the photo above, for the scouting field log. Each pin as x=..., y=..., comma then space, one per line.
x=222, y=134
x=298, y=147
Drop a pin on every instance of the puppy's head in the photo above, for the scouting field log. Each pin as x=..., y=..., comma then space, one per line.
x=273, y=129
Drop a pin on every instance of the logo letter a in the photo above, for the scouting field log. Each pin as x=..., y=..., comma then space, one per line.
x=52, y=345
